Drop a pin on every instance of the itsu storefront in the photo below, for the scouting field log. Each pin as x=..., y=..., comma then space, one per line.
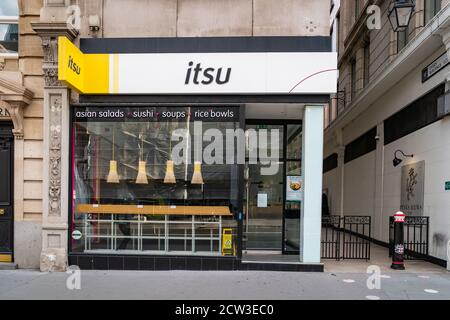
x=196, y=153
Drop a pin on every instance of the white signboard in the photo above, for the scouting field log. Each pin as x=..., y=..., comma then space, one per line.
x=294, y=188
x=224, y=73
x=262, y=200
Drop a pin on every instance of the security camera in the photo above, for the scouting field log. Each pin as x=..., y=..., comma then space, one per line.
x=377, y=137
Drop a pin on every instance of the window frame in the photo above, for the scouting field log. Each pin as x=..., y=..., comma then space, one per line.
x=353, y=75
x=9, y=20
x=366, y=49
x=426, y=9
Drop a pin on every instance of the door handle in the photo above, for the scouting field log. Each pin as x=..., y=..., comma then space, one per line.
x=2, y=212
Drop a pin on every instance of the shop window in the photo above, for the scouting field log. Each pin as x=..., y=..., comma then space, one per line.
x=432, y=7
x=9, y=30
x=415, y=116
x=137, y=187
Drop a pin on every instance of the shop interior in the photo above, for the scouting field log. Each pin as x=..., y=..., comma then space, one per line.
x=131, y=195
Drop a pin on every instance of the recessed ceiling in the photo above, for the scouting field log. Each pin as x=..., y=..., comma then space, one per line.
x=274, y=111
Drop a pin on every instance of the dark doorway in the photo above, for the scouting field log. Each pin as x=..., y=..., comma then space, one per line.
x=6, y=192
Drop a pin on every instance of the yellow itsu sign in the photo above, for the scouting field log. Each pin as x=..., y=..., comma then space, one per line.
x=85, y=73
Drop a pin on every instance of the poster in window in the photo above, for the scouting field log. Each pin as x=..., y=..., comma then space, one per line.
x=294, y=188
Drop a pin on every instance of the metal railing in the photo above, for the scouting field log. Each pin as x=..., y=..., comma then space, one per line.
x=190, y=236
x=346, y=237
x=416, y=235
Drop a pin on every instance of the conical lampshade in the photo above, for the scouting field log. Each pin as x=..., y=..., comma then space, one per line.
x=197, y=176
x=142, y=173
x=170, y=174
x=113, y=177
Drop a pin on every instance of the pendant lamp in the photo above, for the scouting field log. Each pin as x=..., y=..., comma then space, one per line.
x=142, y=171
x=113, y=177
x=170, y=173
x=197, y=177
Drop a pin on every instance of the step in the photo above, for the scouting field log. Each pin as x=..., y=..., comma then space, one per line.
x=8, y=266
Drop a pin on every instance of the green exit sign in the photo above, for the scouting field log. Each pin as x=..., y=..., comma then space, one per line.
x=447, y=186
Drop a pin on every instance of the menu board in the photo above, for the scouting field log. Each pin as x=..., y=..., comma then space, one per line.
x=294, y=188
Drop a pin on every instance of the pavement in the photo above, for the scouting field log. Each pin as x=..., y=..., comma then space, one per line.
x=342, y=280
x=237, y=285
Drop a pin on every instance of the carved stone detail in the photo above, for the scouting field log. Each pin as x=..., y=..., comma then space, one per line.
x=55, y=156
x=51, y=77
x=50, y=64
x=14, y=97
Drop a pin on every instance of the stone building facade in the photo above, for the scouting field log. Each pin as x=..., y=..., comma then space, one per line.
x=384, y=94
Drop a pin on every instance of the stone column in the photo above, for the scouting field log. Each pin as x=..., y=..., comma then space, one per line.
x=312, y=165
x=56, y=148
x=379, y=220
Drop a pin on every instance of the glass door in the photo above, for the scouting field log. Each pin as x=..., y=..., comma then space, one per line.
x=264, y=207
x=293, y=189
x=273, y=202
x=264, y=194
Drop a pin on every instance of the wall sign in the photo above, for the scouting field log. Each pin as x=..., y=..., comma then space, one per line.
x=4, y=114
x=447, y=186
x=157, y=114
x=294, y=188
x=198, y=73
x=436, y=66
x=262, y=200
x=412, y=193
x=76, y=235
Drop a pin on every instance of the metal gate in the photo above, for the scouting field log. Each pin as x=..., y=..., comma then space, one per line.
x=331, y=237
x=346, y=238
x=416, y=234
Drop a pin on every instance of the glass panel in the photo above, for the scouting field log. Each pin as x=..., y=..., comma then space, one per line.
x=264, y=209
x=9, y=8
x=121, y=166
x=402, y=39
x=432, y=7
x=292, y=213
x=294, y=141
x=9, y=38
x=273, y=149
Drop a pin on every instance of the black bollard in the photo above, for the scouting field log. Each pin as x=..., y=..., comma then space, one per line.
x=399, y=246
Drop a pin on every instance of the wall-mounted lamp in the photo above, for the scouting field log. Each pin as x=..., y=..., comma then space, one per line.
x=400, y=14
x=397, y=160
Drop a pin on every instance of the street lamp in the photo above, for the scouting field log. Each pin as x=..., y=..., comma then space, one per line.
x=400, y=14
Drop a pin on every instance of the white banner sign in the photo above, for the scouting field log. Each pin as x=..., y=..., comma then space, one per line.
x=223, y=73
